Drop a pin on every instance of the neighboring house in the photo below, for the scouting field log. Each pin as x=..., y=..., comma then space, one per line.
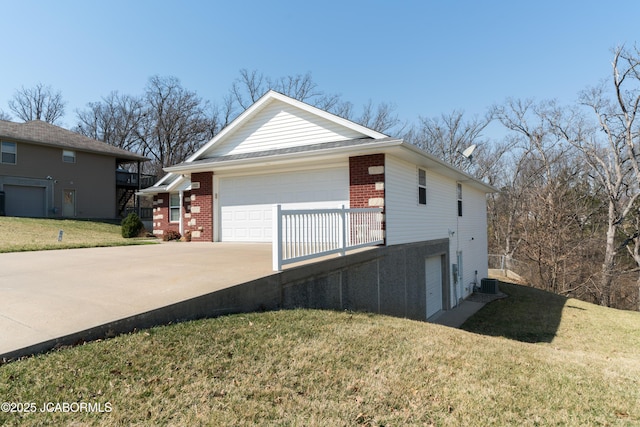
x=283, y=151
x=47, y=171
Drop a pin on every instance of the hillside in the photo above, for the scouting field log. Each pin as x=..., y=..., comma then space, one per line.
x=532, y=359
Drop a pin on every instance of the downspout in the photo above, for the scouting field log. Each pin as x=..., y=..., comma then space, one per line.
x=181, y=221
x=136, y=201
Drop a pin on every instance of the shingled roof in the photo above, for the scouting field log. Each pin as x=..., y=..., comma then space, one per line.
x=43, y=133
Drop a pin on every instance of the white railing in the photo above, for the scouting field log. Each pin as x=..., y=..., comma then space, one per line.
x=303, y=234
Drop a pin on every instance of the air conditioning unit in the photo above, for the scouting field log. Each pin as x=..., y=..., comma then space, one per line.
x=489, y=286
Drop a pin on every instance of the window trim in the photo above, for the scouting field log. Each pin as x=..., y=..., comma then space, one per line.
x=459, y=195
x=3, y=152
x=422, y=187
x=174, y=207
x=68, y=154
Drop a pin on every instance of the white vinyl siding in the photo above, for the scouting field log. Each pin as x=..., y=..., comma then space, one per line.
x=408, y=221
x=280, y=125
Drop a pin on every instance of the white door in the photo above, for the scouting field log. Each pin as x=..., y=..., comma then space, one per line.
x=433, y=279
x=69, y=203
x=246, y=202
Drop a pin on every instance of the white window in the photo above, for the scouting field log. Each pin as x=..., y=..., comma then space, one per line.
x=422, y=187
x=174, y=207
x=68, y=156
x=8, y=153
x=459, y=199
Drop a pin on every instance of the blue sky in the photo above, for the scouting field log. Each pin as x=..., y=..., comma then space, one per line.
x=425, y=57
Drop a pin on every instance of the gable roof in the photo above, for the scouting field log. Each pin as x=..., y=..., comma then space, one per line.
x=274, y=109
x=43, y=133
x=278, y=129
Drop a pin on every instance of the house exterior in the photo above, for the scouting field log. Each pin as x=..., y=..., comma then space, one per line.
x=281, y=151
x=50, y=172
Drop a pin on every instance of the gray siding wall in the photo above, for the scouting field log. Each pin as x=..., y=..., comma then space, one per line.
x=92, y=177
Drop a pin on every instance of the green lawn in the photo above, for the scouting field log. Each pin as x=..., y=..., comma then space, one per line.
x=578, y=365
x=32, y=234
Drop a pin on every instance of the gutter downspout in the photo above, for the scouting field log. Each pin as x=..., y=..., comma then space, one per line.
x=181, y=221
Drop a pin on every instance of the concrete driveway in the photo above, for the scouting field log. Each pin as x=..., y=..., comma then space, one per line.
x=49, y=294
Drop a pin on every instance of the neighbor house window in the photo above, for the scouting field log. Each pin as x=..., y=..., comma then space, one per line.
x=8, y=153
x=459, y=199
x=174, y=207
x=68, y=156
x=422, y=187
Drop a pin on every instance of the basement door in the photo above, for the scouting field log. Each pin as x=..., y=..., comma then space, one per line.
x=246, y=202
x=433, y=279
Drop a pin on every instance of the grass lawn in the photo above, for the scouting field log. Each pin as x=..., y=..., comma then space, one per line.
x=513, y=365
x=33, y=234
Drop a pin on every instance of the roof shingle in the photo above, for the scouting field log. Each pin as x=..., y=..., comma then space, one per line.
x=39, y=132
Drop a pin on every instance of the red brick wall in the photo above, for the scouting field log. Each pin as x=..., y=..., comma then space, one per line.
x=366, y=189
x=197, y=210
x=201, y=221
x=161, y=223
x=366, y=182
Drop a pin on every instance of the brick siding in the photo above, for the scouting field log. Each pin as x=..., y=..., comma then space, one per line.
x=366, y=182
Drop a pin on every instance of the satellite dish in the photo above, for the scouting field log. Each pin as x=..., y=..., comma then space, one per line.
x=468, y=152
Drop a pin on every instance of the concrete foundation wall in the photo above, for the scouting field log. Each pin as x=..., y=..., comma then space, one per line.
x=387, y=280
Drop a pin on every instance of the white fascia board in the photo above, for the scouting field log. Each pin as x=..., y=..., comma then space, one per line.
x=179, y=184
x=409, y=152
x=328, y=153
x=264, y=100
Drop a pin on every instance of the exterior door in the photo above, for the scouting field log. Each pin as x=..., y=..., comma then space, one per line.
x=69, y=203
x=433, y=279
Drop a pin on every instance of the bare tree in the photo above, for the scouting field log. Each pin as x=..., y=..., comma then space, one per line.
x=248, y=88
x=115, y=120
x=447, y=136
x=38, y=103
x=174, y=124
x=612, y=152
x=251, y=85
x=544, y=213
x=4, y=115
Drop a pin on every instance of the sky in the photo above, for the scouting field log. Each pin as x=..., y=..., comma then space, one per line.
x=426, y=58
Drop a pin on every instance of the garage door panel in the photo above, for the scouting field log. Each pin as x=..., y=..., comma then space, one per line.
x=246, y=203
x=25, y=201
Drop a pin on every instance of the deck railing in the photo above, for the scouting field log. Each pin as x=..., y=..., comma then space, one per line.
x=309, y=233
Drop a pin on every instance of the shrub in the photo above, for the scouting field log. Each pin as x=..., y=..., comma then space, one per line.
x=131, y=226
x=171, y=235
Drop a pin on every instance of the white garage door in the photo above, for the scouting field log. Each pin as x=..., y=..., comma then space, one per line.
x=24, y=201
x=433, y=277
x=246, y=202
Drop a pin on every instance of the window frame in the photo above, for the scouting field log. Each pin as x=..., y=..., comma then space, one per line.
x=3, y=152
x=174, y=207
x=422, y=187
x=68, y=154
x=459, y=196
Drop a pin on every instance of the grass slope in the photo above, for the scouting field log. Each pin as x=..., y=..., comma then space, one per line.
x=305, y=367
x=33, y=234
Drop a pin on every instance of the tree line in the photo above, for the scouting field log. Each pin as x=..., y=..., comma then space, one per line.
x=566, y=215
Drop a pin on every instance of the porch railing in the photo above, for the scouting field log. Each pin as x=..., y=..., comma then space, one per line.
x=309, y=233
